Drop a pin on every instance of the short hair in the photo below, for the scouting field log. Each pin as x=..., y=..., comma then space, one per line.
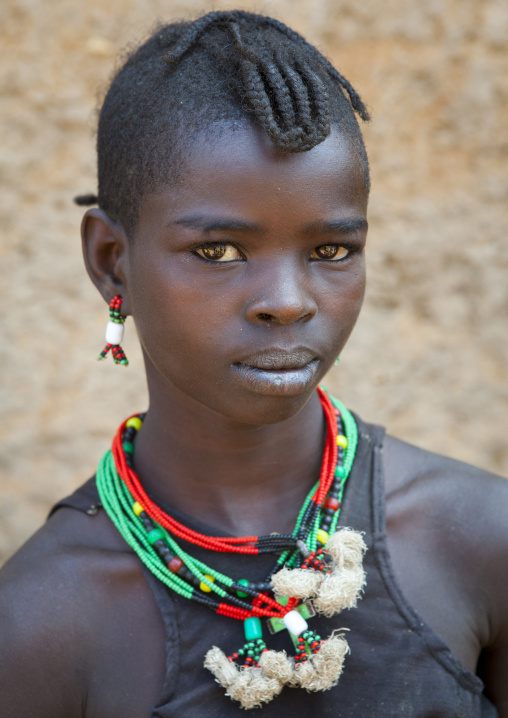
x=189, y=77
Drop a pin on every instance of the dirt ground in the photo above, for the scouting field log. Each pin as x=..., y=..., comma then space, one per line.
x=430, y=354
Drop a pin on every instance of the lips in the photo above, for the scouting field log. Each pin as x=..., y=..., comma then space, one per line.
x=279, y=359
x=278, y=371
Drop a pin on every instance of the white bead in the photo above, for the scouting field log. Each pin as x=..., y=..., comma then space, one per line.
x=114, y=333
x=295, y=623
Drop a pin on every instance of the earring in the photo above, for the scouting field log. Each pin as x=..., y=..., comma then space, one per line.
x=114, y=332
x=336, y=362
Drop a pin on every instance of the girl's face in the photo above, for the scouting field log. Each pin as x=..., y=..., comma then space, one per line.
x=246, y=278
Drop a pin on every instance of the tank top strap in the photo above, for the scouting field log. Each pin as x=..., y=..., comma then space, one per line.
x=358, y=510
x=85, y=499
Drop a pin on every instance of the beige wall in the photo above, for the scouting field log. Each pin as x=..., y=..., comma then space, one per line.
x=429, y=357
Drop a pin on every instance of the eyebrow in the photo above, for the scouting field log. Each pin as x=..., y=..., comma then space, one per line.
x=344, y=226
x=208, y=224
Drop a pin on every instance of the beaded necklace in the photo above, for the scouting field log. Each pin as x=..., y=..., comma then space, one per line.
x=314, y=562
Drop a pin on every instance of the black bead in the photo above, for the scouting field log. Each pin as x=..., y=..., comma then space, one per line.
x=184, y=573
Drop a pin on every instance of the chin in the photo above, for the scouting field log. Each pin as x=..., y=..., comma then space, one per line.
x=264, y=409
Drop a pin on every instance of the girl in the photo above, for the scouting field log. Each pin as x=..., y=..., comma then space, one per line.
x=222, y=537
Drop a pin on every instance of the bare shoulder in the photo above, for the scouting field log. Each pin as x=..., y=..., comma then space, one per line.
x=65, y=559
x=456, y=495
x=66, y=604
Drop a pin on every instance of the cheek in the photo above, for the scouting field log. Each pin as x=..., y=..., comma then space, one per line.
x=345, y=298
x=178, y=322
x=358, y=292
x=342, y=308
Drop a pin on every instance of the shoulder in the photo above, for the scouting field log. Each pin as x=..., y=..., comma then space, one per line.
x=444, y=485
x=65, y=599
x=67, y=555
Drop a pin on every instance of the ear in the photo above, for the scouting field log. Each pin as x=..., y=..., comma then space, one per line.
x=106, y=254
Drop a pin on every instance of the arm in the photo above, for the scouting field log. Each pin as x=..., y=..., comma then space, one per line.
x=80, y=633
x=40, y=664
x=493, y=539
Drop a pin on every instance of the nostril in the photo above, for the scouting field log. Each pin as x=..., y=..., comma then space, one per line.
x=266, y=317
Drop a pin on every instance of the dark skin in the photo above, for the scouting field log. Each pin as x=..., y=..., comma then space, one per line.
x=253, y=251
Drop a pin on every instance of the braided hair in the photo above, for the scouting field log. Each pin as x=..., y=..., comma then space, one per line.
x=189, y=78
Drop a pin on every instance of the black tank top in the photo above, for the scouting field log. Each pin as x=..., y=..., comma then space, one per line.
x=397, y=666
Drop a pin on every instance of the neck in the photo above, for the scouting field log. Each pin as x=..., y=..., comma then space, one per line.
x=243, y=479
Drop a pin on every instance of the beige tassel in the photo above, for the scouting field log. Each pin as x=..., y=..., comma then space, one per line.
x=346, y=547
x=249, y=686
x=323, y=669
x=297, y=582
x=341, y=588
x=224, y=670
x=276, y=664
x=252, y=688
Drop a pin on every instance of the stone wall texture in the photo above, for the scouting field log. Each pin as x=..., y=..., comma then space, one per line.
x=430, y=354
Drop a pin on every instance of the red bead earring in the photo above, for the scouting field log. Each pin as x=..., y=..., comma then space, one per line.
x=114, y=332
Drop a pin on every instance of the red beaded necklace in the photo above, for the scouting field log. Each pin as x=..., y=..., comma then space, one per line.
x=243, y=544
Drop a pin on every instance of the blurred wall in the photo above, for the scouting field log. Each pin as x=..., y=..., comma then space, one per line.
x=429, y=356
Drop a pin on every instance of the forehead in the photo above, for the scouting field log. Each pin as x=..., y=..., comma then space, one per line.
x=240, y=172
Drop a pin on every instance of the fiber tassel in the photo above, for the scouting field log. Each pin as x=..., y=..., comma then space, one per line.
x=276, y=664
x=341, y=588
x=322, y=670
x=250, y=686
x=296, y=582
x=332, y=590
x=346, y=547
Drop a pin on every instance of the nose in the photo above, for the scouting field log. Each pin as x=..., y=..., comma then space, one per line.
x=285, y=296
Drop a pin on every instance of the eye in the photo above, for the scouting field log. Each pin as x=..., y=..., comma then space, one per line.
x=219, y=252
x=330, y=251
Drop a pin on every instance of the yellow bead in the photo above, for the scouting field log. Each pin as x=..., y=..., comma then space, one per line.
x=137, y=508
x=342, y=441
x=322, y=536
x=135, y=422
x=203, y=586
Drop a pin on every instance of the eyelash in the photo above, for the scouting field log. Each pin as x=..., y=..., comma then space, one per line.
x=209, y=245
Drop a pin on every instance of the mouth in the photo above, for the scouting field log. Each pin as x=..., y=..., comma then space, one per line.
x=278, y=372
